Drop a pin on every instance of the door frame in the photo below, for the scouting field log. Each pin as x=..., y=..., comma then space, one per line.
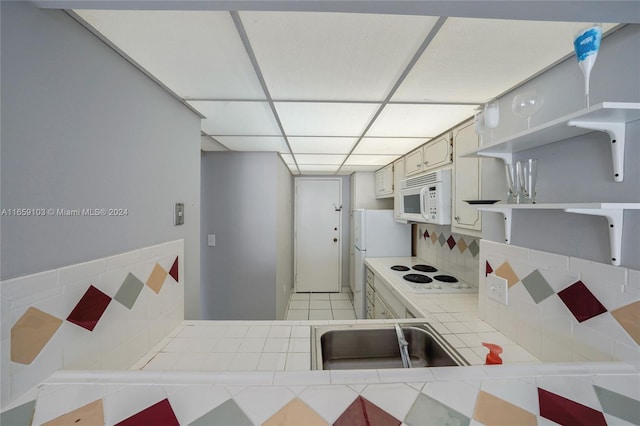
x=295, y=228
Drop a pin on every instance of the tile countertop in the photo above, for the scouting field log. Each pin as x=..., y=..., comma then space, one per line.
x=455, y=315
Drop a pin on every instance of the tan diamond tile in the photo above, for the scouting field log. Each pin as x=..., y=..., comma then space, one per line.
x=434, y=237
x=31, y=333
x=295, y=413
x=629, y=318
x=462, y=245
x=156, y=279
x=90, y=414
x=491, y=410
x=505, y=271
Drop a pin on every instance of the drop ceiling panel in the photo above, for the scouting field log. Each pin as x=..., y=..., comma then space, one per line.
x=318, y=169
x=307, y=159
x=195, y=54
x=321, y=145
x=474, y=60
x=254, y=143
x=423, y=121
x=325, y=119
x=329, y=56
x=388, y=145
x=288, y=159
x=370, y=160
x=237, y=118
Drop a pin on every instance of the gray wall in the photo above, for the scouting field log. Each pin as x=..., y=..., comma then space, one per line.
x=82, y=128
x=240, y=202
x=284, y=239
x=579, y=169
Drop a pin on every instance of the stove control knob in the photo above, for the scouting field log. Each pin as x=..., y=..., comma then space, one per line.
x=466, y=286
x=456, y=285
x=437, y=286
x=428, y=286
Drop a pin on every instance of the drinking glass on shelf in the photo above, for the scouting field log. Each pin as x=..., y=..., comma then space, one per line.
x=513, y=185
x=527, y=172
x=526, y=104
x=479, y=127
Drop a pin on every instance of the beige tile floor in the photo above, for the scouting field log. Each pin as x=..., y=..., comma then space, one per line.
x=320, y=306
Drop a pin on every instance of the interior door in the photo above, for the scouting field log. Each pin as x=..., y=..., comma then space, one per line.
x=318, y=231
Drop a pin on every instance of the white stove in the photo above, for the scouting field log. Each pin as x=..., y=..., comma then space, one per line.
x=422, y=278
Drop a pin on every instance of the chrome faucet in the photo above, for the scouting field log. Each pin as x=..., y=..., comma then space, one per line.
x=404, y=347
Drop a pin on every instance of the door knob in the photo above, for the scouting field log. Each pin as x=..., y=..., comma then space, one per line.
x=335, y=240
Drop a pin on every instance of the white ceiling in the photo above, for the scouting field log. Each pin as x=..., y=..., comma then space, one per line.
x=331, y=92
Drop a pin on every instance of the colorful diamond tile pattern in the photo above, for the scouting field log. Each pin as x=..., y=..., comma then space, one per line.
x=31, y=333
x=537, y=407
x=581, y=302
x=451, y=241
x=89, y=309
x=33, y=330
x=159, y=414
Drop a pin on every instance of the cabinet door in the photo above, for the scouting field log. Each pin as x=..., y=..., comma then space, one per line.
x=380, y=310
x=437, y=153
x=413, y=162
x=398, y=175
x=384, y=182
x=467, y=180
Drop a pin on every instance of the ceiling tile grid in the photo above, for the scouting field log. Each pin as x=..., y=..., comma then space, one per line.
x=331, y=92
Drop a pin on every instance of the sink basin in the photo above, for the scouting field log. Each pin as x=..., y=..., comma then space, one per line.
x=376, y=347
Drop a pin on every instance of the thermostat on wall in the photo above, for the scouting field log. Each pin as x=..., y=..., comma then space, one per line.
x=178, y=215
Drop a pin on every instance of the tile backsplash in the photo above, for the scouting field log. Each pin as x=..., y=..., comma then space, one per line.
x=454, y=253
x=101, y=314
x=562, y=308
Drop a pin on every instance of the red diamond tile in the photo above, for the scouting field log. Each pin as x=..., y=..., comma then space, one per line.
x=581, y=302
x=451, y=242
x=426, y=234
x=159, y=414
x=364, y=413
x=566, y=412
x=488, y=269
x=174, y=270
x=89, y=309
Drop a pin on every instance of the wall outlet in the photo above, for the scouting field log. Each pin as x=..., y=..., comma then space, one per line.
x=498, y=289
x=211, y=240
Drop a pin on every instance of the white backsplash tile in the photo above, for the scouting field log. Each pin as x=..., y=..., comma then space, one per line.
x=548, y=329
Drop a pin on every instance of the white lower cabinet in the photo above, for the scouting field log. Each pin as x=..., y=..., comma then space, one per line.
x=384, y=304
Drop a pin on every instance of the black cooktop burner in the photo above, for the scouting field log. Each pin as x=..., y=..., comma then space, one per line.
x=400, y=268
x=425, y=268
x=446, y=278
x=417, y=278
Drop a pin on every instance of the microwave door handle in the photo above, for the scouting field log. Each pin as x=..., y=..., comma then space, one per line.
x=424, y=200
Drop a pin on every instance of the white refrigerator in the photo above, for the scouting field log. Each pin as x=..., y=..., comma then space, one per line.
x=376, y=234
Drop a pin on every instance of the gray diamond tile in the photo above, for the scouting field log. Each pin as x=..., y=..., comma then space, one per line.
x=537, y=287
x=618, y=405
x=129, y=291
x=226, y=414
x=442, y=239
x=428, y=411
x=21, y=415
x=474, y=248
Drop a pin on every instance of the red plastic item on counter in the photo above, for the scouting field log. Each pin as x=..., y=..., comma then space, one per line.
x=493, y=357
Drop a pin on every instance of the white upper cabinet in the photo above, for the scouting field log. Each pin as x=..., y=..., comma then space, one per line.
x=467, y=182
x=384, y=182
x=429, y=156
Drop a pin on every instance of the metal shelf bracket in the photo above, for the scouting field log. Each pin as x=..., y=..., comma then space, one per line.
x=616, y=132
x=615, y=219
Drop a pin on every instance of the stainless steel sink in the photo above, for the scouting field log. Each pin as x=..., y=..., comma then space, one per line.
x=376, y=346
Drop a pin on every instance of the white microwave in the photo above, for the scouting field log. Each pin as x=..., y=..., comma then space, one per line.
x=427, y=198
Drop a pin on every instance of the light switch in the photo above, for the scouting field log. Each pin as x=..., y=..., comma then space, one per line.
x=178, y=214
x=211, y=240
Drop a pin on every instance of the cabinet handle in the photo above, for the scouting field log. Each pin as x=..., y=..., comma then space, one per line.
x=457, y=218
